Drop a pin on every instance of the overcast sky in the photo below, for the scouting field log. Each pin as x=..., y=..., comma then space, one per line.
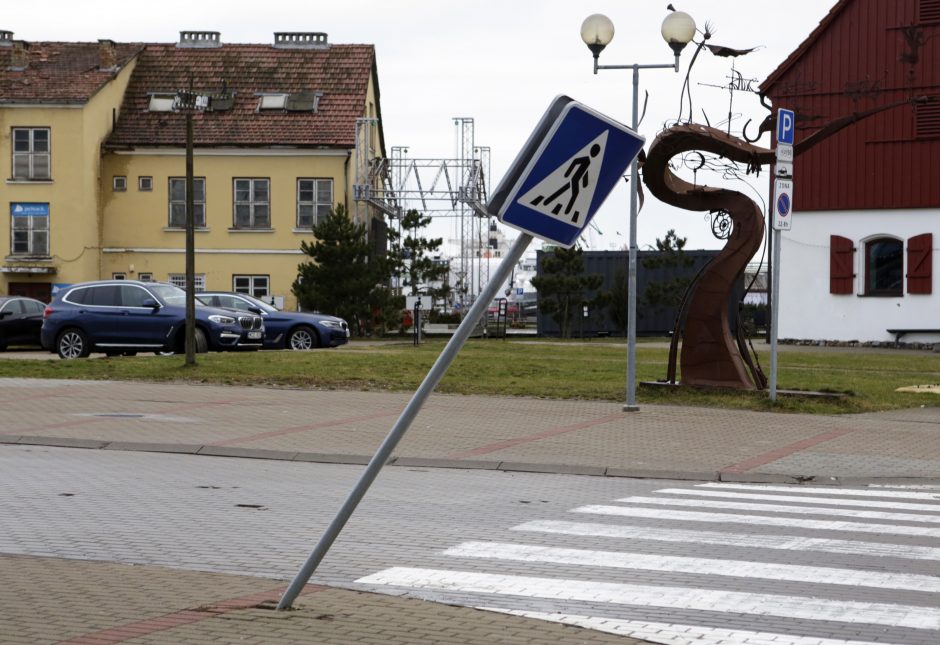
x=498, y=61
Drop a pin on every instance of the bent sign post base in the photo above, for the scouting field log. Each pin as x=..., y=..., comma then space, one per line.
x=404, y=421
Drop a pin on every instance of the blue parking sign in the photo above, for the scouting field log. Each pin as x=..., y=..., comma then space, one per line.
x=786, y=126
x=566, y=170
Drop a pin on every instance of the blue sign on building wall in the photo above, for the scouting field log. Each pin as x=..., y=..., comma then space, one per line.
x=25, y=209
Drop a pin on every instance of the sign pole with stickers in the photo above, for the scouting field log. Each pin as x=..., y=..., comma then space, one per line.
x=565, y=171
x=782, y=221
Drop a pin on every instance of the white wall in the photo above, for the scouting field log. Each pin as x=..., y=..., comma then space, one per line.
x=807, y=309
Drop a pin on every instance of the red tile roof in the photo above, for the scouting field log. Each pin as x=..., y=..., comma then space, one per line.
x=340, y=72
x=58, y=73
x=810, y=40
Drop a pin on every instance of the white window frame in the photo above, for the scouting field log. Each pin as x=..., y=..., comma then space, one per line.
x=119, y=276
x=318, y=208
x=161, y=102
x=258, y=286
x=33, y=224
x=31, y=155
x=145, y=277
x=199, y=205
x=145, y=183
x=179, y=280
x=253, y=203
x=273, y=102
x=119, y=183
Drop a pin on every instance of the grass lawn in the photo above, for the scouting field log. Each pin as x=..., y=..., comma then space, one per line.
x=592, y=370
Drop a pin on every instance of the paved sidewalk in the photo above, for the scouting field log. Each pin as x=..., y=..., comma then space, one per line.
x=76, y=602
x=49, y=600
x=520, y=434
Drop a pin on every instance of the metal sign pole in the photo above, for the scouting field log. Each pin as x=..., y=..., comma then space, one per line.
x=405, y=419
x=774, y=313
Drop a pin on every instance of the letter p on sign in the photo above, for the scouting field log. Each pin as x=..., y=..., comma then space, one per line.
x=786, y=126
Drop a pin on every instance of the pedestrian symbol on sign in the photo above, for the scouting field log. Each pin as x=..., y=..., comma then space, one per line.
x=572, y=178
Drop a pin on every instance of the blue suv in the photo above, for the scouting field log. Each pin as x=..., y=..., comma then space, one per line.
x=125, y=316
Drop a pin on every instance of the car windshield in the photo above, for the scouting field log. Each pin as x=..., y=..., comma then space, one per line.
x=261, y=304
x=170, y=295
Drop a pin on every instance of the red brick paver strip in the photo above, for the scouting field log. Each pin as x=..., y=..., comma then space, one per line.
x=785, y=451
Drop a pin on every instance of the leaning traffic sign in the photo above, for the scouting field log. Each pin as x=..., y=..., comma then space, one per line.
x=567, y=168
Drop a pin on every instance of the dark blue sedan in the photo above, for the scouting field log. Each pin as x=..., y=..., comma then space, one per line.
x=284, y=329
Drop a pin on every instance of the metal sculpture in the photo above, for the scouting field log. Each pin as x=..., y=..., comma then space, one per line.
x=711, y=355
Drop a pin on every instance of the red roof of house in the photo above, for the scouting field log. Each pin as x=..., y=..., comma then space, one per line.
x=798, y=53
x=340, y=72
x=58, y=73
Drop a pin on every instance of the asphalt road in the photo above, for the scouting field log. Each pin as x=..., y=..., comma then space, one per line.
x=668, y=561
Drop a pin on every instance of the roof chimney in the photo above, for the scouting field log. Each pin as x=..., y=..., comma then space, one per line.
x=300, y=40
x=199, y=39
x=107, y=56
x=6, y=38
x=19, y=57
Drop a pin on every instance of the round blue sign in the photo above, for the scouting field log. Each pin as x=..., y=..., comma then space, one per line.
x=783, y=205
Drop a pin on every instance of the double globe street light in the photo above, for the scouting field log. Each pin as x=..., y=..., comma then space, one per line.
x=597, y=31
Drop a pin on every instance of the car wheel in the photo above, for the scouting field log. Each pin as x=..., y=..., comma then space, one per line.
x=202, y=343
x=72, y=343
x=303, y=338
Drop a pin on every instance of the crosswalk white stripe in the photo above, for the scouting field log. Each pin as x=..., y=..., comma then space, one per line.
x=779, y=542
x=675, y=633
x=783, y=508
x=833, y=501
x=761, y=520
x=798, y=607
x=854, y=492
x=704, y=566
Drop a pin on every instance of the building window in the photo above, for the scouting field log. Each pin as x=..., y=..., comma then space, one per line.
x=178, y=202
x=145, y=183
x=884, y=267
x=162, y=102
x=146, y=277
x=29, y=229
x=252, y=204
x=119, y=183
x=119, y=276
x=31, y=153
x=179, y=280
x=254, y=285
x=314, y=201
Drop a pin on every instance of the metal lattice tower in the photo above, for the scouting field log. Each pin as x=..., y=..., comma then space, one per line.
x=453, y=188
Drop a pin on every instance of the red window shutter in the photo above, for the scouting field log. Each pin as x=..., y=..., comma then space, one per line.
x=919, y=263
x=841, y=264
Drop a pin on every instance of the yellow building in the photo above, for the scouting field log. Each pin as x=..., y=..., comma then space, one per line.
x=98, y=188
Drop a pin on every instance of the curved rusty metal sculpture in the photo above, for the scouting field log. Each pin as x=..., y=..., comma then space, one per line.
x=711, y=356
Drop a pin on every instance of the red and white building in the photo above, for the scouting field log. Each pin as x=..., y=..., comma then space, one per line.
x=858, y=260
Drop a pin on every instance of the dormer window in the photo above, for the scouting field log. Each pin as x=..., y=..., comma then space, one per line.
x=294, y=102
x=162, y=102
x=273, y=102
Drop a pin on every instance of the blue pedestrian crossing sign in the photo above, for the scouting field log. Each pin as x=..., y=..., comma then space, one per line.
x=565, y=171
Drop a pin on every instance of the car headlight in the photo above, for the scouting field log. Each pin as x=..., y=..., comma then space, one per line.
x=222, y=320
x=332, y=324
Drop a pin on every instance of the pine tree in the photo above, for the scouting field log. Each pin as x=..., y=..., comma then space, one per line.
x=411, y=257
x=562, y=287
x=341, y=279
x=661, y=295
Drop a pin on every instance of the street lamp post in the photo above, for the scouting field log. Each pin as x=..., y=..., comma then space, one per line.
x=188, y=101
x=597, y=31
